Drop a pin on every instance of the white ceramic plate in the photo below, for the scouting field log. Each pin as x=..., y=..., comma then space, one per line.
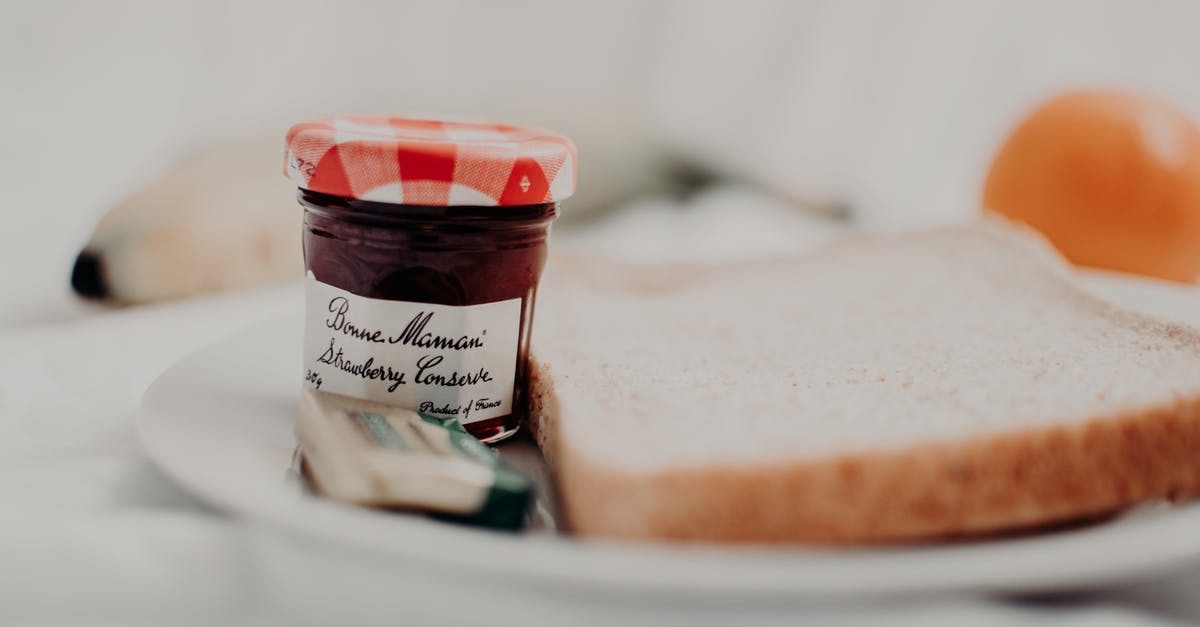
x=220, y=423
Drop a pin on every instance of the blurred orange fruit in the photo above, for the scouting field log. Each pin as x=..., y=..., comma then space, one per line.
x=1112, y=179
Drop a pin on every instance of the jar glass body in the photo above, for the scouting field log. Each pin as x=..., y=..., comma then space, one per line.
x=456, y=256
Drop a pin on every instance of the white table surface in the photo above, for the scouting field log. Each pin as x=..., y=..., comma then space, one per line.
x=91, y=533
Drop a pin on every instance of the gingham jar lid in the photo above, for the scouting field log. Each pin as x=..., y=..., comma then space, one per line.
x=426, y=162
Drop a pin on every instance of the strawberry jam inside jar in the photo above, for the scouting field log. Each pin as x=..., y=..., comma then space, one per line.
x=424, y=242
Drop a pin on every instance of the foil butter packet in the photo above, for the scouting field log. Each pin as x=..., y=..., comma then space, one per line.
x=375, y=455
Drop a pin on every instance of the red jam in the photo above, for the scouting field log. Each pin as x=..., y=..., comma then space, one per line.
x=445, y=255
x=425, y=241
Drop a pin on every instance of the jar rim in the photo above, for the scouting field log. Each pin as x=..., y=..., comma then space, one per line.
x=385, y=213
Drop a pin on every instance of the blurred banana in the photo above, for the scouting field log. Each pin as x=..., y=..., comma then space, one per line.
x=223, y=219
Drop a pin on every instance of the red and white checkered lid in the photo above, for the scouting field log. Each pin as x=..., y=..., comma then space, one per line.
x=426, y=162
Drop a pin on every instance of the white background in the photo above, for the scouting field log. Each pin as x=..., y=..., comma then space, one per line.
x=893, y=109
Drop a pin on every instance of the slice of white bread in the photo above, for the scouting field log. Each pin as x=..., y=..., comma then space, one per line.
x=896, y=388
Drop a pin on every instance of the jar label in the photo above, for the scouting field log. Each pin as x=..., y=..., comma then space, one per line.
x=440, y=360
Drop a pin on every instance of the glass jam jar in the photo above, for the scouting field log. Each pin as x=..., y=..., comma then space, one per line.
x=424, y=243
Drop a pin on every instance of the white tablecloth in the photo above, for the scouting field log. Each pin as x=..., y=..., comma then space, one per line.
x=91, y=533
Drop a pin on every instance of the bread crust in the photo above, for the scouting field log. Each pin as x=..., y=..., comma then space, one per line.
x=989, y=484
